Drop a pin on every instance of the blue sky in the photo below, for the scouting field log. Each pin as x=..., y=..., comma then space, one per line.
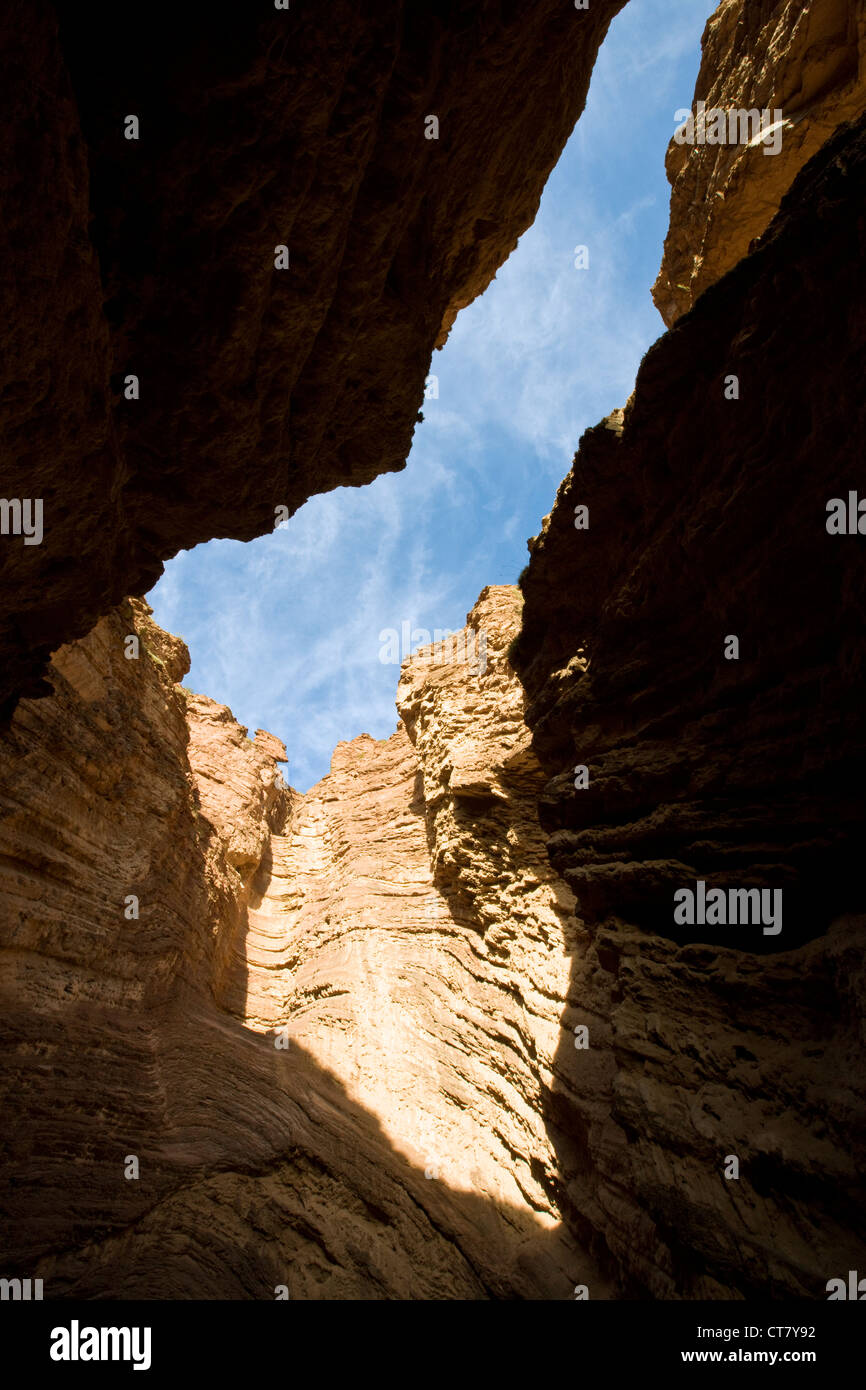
x=285, y=629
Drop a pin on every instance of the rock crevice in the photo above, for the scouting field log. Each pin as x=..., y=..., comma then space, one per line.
x=431, y=1029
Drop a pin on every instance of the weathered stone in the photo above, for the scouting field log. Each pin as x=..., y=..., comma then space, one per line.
x=257, y=386
x=707, y=518
x=805, y=58
x=398, y=1037
x=409, y=956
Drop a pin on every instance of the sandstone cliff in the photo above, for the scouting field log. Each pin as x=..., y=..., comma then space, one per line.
x=707, y=520
x=427, y=1126
x=398, y=930
x=155, y=257
x=341, y=1033
x=804, y=58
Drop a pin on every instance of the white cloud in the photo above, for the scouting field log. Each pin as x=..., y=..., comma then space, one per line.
x=286, y=629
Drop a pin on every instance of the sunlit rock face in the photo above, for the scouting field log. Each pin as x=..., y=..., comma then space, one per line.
x=156, y=258
x=708, y=520
x=432, y=1029
x=329, y=1035
x=803, y=63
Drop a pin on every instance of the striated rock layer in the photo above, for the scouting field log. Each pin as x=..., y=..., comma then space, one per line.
x=804, y=58
x=706, y=522
x=155, y=257
x=427, y=1126
x=333, y=1042
x=398, y=931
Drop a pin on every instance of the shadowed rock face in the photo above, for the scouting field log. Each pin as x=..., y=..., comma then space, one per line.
x=707, y=520
x=805, y=58
x=427, y=1127
x=156, y=257
x=425, y=949
x=408, y=945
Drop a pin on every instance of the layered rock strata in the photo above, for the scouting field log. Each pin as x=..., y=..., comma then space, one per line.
x=804, y=59
x=708, y=513
x=327, y=1036
x=427, y=1126
x=340, y=1034
x=151, y=252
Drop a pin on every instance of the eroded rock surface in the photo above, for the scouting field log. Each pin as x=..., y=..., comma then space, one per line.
x=340, y=1032
x=805, y=58
x=427, y=1126
x=395, y=1143
x=707, y=520
x=155, y=257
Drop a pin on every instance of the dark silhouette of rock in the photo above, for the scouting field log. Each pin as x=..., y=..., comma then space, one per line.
x=156, y=257
x=708, y=520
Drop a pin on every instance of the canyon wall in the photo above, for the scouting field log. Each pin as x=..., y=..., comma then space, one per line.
x=429, y=1030
x=155, y=257
x=707, y=514
x=328, y=1035
x=804, y=59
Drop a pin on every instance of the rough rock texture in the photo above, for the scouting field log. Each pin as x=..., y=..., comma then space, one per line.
x=806, y=58
x=156, y=257
x=427, y=1127
x=340, y=1032
x=401, y=922
x=707, y=519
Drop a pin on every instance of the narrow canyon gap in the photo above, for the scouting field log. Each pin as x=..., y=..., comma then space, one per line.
x=427, y=931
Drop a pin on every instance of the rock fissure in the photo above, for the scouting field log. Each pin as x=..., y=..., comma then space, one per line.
x=429, y=1030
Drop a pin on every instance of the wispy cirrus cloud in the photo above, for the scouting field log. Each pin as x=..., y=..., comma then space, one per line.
x=286, y=629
